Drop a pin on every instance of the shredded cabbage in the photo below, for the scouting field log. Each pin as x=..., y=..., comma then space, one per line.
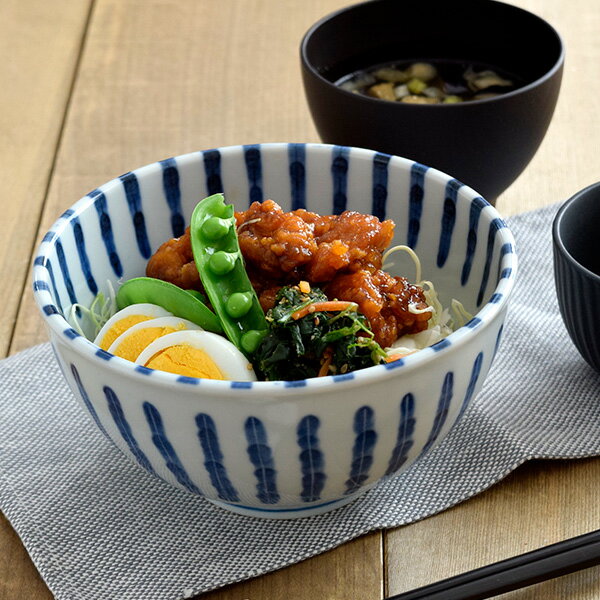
x=89, y=321
x=443, y=321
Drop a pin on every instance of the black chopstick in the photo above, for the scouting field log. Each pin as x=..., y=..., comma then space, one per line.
x=514, y=573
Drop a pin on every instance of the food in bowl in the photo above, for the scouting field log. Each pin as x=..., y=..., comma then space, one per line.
x=278, y=449
x=436, y=82
x=362, y=316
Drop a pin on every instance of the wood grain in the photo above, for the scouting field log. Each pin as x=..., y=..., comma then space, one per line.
x=352, y=571
x=159, y=78
x=39, y=45
x=18, y=576
x=539, y=504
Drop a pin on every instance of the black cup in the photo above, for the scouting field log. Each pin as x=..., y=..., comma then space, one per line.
x=576, y=237
x=485, y=143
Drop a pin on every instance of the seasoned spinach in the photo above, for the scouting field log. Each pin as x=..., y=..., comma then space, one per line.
x=297, y=348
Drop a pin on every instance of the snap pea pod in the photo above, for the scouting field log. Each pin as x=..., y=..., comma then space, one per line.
x=186, y=304
x=221, y=267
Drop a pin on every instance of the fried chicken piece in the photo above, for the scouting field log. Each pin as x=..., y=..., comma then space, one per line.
x=385, y=302
x=267, y=296
x=266, y=289
x=174, y=262
x=319, y=223
x=302, y=244
x=350, y=242
x=277, y=243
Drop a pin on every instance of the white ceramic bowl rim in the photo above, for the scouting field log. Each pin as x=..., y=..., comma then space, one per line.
x=263, y=389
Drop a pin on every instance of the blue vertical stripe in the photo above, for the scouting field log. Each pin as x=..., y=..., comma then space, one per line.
x=473, y=322
x=395, y=364
x=103, y=354
x=213, y=458
x=311, y=459
x=114, y=406
x=507, y=248
x=83, y=257
x=297, y=160
x=362, y=450
x=380, y=185
x=495, y=226
x=404, y=440
x=339, y=173
x=50, y=309
x=134, y=201
x=415, y=203
x=261, y=457
x=448, y=221
x=443, y=343
x=106, y=231
x=212, y=172
x=475, y=372
x=64, y=269
x=254, y=172
x=164, y=446
x=170, y=177
x=71, y=333
x=477, y=205
x=47, y=264
x=497, y=344
x=39, y=285
x=442, y=411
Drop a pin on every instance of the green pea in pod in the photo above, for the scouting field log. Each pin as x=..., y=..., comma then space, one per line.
x=221, y=267
x=182, y=303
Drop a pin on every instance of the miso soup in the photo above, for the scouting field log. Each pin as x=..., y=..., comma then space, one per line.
x=435, y=82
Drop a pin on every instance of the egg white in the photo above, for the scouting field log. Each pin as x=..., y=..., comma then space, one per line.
x=148, y=310
x=230, y=361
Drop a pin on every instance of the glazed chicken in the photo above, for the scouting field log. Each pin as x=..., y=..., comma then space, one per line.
x=342, y=254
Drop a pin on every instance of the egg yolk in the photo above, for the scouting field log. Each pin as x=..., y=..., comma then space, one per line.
x=120, y=327
x=185, y=360
x=132, y=345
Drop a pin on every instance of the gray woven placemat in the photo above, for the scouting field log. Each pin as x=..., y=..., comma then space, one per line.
x=98, y=527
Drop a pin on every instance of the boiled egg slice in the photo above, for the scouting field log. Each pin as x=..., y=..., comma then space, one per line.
x=197, y=354
x=124, y=319
x=132, y=341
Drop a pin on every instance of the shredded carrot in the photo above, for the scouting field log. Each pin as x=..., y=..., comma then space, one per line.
x=327, y=306
x=392, y=357
x=304, y=287
x=328, y=356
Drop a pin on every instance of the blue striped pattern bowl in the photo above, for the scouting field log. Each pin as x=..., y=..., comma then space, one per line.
x=280, y=449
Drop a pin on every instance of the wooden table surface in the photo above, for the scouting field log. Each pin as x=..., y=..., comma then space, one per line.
x=90, y=89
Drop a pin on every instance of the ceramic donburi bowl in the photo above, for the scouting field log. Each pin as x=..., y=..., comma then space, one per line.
x=280, y=449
